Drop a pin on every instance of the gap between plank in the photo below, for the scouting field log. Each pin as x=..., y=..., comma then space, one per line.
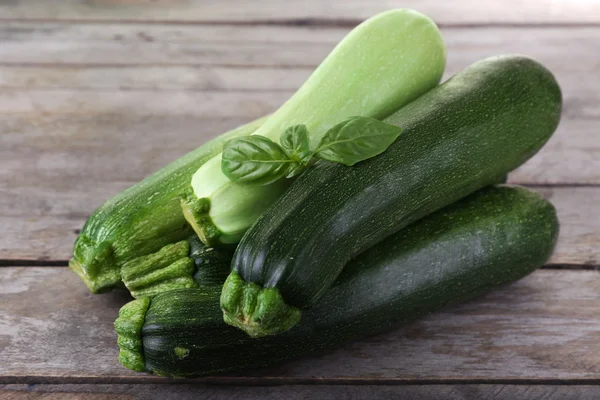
x=555, y=185
x=33, y=263
x=573, y=267
x=277, y=381
x=8, y=262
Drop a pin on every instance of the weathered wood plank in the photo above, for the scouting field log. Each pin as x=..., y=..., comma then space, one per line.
x=161, y=126
x=88, y=395
x=273, y=46
x=579, y=239
x=121, y=35
x=44, y=201
x=570, y=157
x=299, y=392
x=212, y=78
x=543, y=328
x=49, y=190
x=74, y=135
x=456, y=12
x=34, y=105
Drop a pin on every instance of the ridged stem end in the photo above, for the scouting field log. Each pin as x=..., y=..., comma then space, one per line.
x=129, y=329
x=196, y=213
x=169, y=268
x=256, y=310
x=94, y=263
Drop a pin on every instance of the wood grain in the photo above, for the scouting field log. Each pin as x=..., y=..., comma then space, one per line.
x=577, y=209
x=41, y=395
x=96, y=94
x=138, y=86
x=77, y=128
x=149, y=78
x=303, y=11
x=299, y=392
x=42, y=223
x=48, y=192
x=544, y=327
x=272, y=46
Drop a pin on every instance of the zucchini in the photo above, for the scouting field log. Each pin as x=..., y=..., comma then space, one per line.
x=142, y=219
x=211, y=265
x=457, y=138
x=493, y=237
x=184, y=264
x=381, y=65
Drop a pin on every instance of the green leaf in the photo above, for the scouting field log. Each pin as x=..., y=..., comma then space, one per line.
x=295, y=169
x=356, y=139
x=296, y=144
x=254, y=160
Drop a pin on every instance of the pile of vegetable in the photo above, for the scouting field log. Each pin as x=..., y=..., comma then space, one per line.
x=372, y=197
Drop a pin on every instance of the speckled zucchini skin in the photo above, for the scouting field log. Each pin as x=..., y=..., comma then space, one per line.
x=495, y=236
x=459, y=137
x=142, y=219
x=211, y=265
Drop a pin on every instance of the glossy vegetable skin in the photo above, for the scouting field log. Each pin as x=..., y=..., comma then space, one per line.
x=459, y=137
x=384, y=63
x=493, y=237
x=141, y=220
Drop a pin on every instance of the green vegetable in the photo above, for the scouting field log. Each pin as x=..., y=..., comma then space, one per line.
x=166, y=269
x=129, y=326
x=184, y=264
x=383, y=64
x=493, y=237
x=142, y=219
x=259, y=161
x=212, y=265
x=459, y=137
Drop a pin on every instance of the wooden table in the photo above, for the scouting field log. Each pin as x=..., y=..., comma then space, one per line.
x=95, y=95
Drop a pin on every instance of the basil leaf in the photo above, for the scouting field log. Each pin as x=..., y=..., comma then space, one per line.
x=254, y=160
x=295, y=143
x=295, y=169
x=356, y=139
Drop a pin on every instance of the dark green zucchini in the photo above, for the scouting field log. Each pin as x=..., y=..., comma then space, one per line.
x=492, y=237
x=457, y=138
x=211, y=265
x=185, y=264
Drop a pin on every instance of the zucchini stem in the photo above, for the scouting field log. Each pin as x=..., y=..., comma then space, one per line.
x=94, y=264
x=129, y=329
x=142, y=219
x=255, y=310
x=222, y=218
x=185, y=264
x=195, y=210
x=168, y=269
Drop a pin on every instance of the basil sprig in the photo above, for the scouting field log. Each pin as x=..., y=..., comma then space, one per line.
x=257, y=160
x=254, y=159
